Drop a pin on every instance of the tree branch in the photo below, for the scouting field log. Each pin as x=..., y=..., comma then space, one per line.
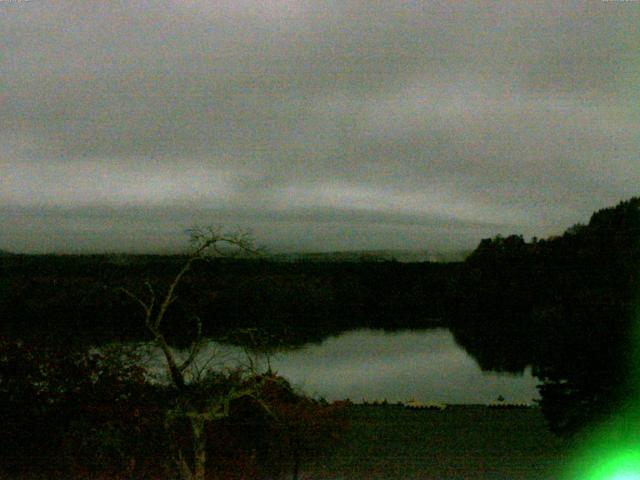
x=145, y=307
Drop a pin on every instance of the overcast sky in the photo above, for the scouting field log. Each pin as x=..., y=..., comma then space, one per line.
x=319, y=125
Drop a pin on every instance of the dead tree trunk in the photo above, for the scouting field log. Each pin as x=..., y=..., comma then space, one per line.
x=205, y=240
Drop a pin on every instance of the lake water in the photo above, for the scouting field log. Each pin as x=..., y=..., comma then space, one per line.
x=426, y=365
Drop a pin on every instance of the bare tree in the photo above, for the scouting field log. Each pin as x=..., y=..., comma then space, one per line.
x=206, y=242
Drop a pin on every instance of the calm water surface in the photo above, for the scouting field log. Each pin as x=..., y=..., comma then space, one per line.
x=426, y=365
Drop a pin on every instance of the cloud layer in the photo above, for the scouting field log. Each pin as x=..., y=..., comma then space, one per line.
x=321, y=125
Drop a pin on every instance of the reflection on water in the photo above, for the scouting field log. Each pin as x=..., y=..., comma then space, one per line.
x=423, y=364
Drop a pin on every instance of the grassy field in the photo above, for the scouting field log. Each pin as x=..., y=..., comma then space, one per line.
x=461, y=442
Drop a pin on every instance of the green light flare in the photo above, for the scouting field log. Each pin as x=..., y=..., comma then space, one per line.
x=612, y=450
x=605, y=458
x=621, y=465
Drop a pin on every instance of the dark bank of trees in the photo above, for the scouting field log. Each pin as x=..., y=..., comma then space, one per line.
x=565, y=305
x=77, y=298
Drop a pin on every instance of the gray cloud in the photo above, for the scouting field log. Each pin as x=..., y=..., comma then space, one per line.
x=336, y=124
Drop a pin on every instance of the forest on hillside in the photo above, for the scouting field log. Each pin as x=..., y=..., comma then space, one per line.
x=566, y=305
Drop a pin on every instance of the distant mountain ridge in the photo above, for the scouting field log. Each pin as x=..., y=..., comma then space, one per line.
x=402, y=256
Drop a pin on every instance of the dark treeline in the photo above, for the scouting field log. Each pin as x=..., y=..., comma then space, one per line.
x=566, y=306
x=79, y=298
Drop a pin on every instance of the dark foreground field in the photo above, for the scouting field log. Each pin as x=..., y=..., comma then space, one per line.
x=461, y=442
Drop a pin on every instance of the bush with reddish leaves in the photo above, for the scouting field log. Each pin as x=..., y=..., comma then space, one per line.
x=81, y=415
x=72, y=411
x=277, y=430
